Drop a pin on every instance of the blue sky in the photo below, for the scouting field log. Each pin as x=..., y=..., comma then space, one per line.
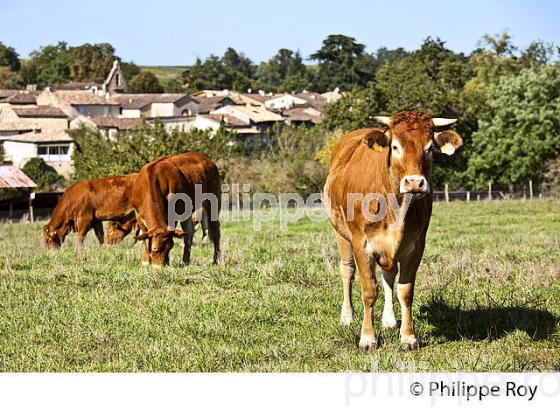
x=173, y=32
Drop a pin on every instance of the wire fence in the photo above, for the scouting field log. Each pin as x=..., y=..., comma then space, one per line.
x=489, y=194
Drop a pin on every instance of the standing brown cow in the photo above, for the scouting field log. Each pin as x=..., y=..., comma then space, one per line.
x=395, y=160
x=86, y=204
x=177, y=174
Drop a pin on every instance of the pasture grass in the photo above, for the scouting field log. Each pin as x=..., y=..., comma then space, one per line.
x=487, y=298
x=164, y=73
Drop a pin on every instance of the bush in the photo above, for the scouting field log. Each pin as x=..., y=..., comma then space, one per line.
x=551, y=182
x=43, y=175
x=282, y=160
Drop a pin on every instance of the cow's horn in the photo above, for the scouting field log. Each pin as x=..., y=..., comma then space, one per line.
x=382, y=119
x=442, y=122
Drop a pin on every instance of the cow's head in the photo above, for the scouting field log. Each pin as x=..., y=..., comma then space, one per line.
x=53, y=237
x=160, y=242
x=410, y=139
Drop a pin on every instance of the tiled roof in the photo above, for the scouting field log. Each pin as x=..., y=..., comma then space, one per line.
x=7, y=93
x=229, y=120
x=139, y=101
x=303, y=114
x=38, y=111
x=22, y=97
x=12, y=178
x=18, y=126
x=120, y=123
x=315, y=100
x=207, y=104
x=44, y=136
x=75, y=86
x=82, y=98
x=257, y=114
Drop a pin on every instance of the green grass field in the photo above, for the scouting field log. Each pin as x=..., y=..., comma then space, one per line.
x=164, y=73
x=487, y=298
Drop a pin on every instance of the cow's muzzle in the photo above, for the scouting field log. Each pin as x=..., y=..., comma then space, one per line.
x=414, y=184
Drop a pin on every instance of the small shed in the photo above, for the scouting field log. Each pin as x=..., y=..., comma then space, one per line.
x=15, y=186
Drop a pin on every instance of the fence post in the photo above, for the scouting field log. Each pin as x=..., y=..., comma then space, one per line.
x=478, y=197
x=31, y=198
x=468, y=196
x=489, y=191
x=531, y=188
x=446, y=193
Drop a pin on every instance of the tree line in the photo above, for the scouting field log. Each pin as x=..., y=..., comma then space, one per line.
x=507, y=99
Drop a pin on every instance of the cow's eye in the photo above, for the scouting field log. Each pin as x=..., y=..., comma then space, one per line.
x=395, y=148
x=429, y=150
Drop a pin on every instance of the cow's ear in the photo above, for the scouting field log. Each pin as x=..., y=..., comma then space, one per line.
x=143, y=236
x=448, y=141
x=376, y=139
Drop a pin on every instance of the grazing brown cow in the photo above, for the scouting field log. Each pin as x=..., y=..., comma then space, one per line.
x=395, y=163
x=117, y=231
x=86, y=204
x=177, y=174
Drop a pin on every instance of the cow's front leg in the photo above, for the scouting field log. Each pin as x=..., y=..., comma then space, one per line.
x=388, y=320
x=370, y=290
x=405, y=293
x=347, y=271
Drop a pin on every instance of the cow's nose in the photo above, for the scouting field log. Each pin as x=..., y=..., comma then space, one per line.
x=414, y=184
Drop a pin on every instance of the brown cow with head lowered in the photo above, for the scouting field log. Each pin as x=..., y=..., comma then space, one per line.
x=117, y=231
x=374, y=175
x=86, y=204
x=156, y=182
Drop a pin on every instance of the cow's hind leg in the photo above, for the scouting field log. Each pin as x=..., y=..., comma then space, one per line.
x=347, y=271
x=405, y=293
x=370, y=290
x=388, y=320
x=187, y=226
x=204, y=226
x=214, y=235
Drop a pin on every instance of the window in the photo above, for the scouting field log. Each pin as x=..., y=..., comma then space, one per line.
x=53, y=152
x=106, y=110
x=118, y=77
x=82, y=109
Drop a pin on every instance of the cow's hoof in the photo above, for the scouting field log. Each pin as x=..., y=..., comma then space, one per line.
x=409, y=343
x=367, y=343
x=346, y=318
x=156, y=266
x=145, y=263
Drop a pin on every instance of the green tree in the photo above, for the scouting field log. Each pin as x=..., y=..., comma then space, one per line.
x=9, y=57
x=430, y=78
x=59, y=64
x=490, y=64
x=343, y=63
x=48, y=65
x=9, y=79
x=352, y=110
x=284, y=72
x=210, y=74
x=129, y=69
x=237, y=62
x=145, y=82
x=42, y=174
x=520, y=132
x=90, y=62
